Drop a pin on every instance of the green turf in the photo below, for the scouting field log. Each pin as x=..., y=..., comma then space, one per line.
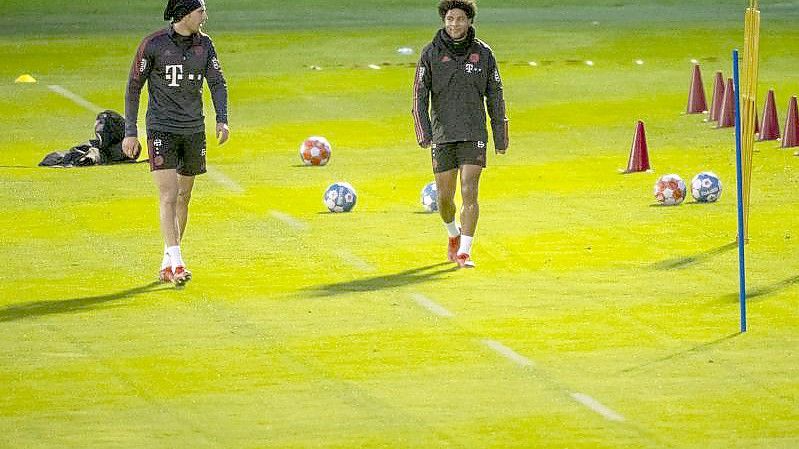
x=308, y=335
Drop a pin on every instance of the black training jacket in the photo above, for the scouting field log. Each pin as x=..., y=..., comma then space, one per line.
x=174, y=68
x=457, y=90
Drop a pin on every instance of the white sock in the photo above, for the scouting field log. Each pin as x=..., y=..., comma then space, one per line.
x=452, y=229
x=466, y=245
x=175, y=257
x=166, y=262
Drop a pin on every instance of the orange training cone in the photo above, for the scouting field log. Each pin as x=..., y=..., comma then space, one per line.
x=639, y=153
x=790, y=138
x=718, y=97
x=696, y=96
x=771, y=126
x=727, y=114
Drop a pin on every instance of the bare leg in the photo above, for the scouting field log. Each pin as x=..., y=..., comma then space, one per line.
x=470, y=212
x=446, y=182
x=185, y=185
x=167, y=183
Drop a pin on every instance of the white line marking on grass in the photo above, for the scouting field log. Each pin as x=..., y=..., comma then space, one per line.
x=224, y=180
x=596, y=406
x=509, y=353
x=289, y=220
x=77, y=99
x=69, y=355
x=431, y=305
x=355, y=261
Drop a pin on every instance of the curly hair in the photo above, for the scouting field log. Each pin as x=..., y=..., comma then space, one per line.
x=468, y=6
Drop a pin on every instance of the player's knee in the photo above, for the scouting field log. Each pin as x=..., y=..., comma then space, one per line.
x=168, y=196
x=469, y=193
x=470, y=205
x=184, y=196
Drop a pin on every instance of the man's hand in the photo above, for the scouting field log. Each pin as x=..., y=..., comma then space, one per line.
x=222, y=133
x=131, y=147
x=425, y=144
x=500, y=150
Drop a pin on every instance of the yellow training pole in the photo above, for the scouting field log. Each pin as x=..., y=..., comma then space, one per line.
x=748, y=96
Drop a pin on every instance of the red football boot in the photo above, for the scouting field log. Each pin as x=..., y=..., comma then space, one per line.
x=464, y=261
x=181, y=276
x=452, y=248
x=165, y=275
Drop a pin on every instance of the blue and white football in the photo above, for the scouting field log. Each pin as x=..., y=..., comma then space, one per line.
x=706, y=187
x=340, y=197
x=430, y=197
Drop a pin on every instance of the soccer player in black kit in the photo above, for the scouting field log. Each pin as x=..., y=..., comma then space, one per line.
x=175, y=61
x=457, y=79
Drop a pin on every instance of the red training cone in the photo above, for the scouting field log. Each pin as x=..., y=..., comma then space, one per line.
x=639, y=153
x=718, y=97
x=791, y=136
x=771, y=127
x=727, y=114
x=696, y=96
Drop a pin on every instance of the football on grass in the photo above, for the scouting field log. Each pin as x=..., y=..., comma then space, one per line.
x=430, y=197
x=315, y=151
x=340, y=197
x=706, y=187
x=670, y=190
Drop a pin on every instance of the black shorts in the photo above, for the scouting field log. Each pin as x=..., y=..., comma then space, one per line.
x=184, y=153
x=451, y=155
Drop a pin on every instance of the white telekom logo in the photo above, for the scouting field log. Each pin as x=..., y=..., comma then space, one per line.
x=173, y=74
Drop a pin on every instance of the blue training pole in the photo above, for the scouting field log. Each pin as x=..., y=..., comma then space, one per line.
x=739, y=172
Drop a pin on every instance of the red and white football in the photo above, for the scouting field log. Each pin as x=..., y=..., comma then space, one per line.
x=315, y=151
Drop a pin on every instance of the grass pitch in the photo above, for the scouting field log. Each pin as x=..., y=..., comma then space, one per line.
x=593, y=319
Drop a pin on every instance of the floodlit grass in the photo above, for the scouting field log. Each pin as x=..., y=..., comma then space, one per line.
x=311, y=332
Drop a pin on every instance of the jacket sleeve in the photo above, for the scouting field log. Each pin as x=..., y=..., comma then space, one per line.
x=217, y=85
x=139, y=72
x=421, y=100
x=495, y=103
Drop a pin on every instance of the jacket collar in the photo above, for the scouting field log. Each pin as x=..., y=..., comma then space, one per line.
x=443, y=40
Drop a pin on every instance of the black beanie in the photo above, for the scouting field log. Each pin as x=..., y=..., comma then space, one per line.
x=178, y=9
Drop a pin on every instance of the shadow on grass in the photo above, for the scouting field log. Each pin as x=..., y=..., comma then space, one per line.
x=676, y=355
x=403, y=278
x=40, y=308
x=760, y=292
x=682, y=262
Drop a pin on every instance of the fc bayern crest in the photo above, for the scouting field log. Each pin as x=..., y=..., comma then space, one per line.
x=474, y=58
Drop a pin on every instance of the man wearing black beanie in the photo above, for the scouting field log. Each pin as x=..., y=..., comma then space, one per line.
x=174, y=62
